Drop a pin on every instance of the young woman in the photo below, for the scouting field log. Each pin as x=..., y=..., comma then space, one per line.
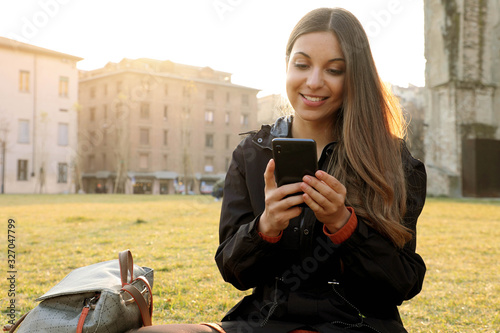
x=346, y=261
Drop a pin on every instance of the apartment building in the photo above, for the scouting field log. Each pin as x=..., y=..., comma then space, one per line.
x=271, y=107
x=151, y=126
x=38, y=119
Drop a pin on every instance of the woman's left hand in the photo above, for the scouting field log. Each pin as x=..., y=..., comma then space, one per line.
x=325, y=195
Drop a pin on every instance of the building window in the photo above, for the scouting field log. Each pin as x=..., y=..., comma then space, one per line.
x=186, y=91
x=62, y=173
x=91, y=162
x=244, y=99
x=120, y=110
x=105, y=89
x=23, y=134
x=210, y=95
x=209, y=140
x=119, y=86
x=146, y=85
x=92, y=92
x=144, y=110
x=63, y=110
x=104, y=161
x=228, y=97
x=186, y=112
x=227, y=163
x=165, y=89
x=226, y=118
x=228, y=140
x=104, y=136
x=186, y=138
x=209, y=117
x=93, y=138
x=209, y=164
x=92, y=114
x=105, y=111
x=143, y=161
x=144, y=136
x=165, y=162
x=22, y=169
x=63, y=86
x=62, y=134
x=24, y=81
x=165, y=137
x=244, y=120
x=165, y=112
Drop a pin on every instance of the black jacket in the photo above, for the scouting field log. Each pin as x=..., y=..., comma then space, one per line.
x=305, y=279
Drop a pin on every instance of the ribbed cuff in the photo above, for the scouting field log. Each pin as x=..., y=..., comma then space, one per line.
x=271, y=239
x=346, y=231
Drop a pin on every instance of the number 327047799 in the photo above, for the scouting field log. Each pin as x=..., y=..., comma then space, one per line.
x=11, y=244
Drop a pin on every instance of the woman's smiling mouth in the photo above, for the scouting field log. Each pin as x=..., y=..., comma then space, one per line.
x=313, y=100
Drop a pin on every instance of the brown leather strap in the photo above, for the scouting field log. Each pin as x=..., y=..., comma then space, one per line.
x=12, y=328
x=81, y=319
x=146, y=282
x=141, y=303
x=126, y=265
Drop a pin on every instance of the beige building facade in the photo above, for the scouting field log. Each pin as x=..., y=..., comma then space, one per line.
x=158, y=127
x=271, y=107
x=38, y=119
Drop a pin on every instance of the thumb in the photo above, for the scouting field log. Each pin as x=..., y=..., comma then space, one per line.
x=269, y=180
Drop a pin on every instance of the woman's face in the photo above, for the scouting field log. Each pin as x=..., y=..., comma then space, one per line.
x=315, y=76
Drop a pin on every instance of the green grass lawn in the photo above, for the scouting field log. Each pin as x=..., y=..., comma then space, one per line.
x=177, y=236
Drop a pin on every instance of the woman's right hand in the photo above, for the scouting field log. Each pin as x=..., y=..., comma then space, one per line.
x=279, y=210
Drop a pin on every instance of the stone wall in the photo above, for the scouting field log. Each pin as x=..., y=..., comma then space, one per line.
x=462, y=49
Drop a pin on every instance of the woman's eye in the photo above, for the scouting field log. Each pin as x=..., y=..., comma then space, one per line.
x=300, y=66
x=334, y=71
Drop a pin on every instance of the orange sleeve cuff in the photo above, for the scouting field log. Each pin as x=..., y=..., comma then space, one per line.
x=346, y=231
x=271, y=239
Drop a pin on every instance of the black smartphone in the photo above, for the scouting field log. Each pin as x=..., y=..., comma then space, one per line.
x=294, y=158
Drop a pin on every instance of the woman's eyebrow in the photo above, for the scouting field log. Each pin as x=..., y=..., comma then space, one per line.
x=307, y=56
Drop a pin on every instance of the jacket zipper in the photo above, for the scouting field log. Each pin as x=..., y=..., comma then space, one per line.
x=362, y=317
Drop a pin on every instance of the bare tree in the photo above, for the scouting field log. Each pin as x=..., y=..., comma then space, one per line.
x=4, y=132
x=41, y=175
x=187, y=167
x=121, y=148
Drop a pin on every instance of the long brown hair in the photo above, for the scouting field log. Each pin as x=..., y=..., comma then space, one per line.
x=369, y=128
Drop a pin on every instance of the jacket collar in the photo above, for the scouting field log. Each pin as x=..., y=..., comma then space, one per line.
x=280, y=129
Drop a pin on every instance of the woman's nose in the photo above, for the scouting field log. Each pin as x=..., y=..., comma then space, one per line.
x=315, y=79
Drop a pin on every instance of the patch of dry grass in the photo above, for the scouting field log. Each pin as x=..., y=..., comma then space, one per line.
x=175, y=235
x=460, y=243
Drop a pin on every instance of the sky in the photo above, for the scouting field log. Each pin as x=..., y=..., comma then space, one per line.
x=244, y=37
